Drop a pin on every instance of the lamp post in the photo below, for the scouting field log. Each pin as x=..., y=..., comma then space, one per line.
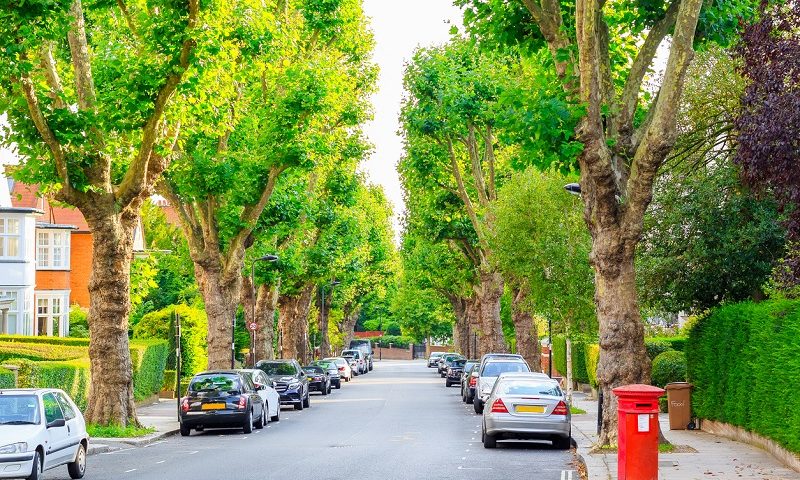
x=322, y=307
x=550, y=349
x=265, y=258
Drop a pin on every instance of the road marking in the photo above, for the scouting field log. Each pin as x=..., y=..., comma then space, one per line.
x=131, y=470
x=193, y=452
x=162, y=461
x=119, y=451
x=474, y=468
x=566, y=474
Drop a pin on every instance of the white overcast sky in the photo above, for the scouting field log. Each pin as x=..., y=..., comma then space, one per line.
x=399, y=27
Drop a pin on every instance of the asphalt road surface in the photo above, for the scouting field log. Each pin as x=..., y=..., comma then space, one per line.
x=398, y=422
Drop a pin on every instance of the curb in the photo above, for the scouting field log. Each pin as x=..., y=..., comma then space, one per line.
x=138, y=442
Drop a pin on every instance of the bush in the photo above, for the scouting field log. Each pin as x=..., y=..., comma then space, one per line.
x=194, y=329
x=656, y=347
x=677, y=343
x=668, y=367
x=393, y=328
x=579, y=367
x=78, y=322
x=744, y=363
x=592, y=359
x=71, y=376
x=169, y=381
x=40, y=351
x=6, y=378
x=149, y=357
x=48, y=340
x=560, y=354
x=395, y=340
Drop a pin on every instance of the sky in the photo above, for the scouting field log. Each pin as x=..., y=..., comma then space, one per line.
x=399, y=27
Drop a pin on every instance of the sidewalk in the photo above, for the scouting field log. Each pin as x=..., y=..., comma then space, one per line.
x=163, y=416
x=716, y=457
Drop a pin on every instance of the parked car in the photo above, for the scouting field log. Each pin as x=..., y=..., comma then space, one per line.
x=266, y=390
x=526, y=406
x=360, y=362
x=345, y=372
x=433, y=360
x=453, y=373
x=290, y=381
x=318, y=379
x=488, y=374
x=221, y=399
x=41, y=429
x=332, y=370
x=445, y=362
x=470, y=382
x=366, y=348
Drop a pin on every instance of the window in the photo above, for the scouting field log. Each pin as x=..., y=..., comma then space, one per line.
x=52, y=410
x=50, y=315
x=66, y=406
x=9, y=238
x=8, y=325
x=52, y=249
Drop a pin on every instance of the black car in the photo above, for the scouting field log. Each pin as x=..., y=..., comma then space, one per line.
x=469, y=380
x=290, y=381
x=221, y=399
x=454, y=370
x=332, y=370
x=447, y=362
x=318, y=379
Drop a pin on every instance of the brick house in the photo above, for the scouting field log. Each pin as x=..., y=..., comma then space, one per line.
x=45, y=261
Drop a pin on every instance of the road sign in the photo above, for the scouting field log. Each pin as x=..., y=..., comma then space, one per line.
x=252, y=326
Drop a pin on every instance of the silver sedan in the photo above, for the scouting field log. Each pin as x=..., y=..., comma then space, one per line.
x=525, y=406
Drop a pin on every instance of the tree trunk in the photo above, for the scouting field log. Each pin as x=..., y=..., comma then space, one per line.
x=111, y=389
x=349, y=324
x=266, y=302
x=461, y=332
x=323, y=321
x=623, y=358
x=525, y=330
x=293, y=323
x=474, y=327
x=221, y=293
x=489, y=291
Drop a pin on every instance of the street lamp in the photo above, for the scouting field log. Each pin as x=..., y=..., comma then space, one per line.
x=265, y=258
x=550, y=347
x=322, y=307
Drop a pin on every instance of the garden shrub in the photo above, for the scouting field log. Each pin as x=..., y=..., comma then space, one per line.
x=149, y=357
x=6, y=378
x=668, y=367
x=656, y=347
x=592, y=359
x=72, y=376
x=677, y=343
x=194, y=330
x=169, y=381
x=397, y=341
x=84, y=342
x=579, y=367
x=78, y=322
x=40, y=351
x=393, y=329
x=743, y=361
x=560, y=354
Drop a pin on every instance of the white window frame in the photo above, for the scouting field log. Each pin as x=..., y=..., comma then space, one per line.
x=45, y=300
x=7, y=237
x=14, y=313
x=45, y=253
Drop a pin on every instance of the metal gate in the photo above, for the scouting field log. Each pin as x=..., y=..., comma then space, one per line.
x=419, y=351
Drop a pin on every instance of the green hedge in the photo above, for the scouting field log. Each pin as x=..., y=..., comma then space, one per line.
x=743, y=361
x=40, y=351
x=677, y=343
x=169, y=381
x=560, y=354
x=397, y=341
x=656, y=347
x=580, y=372
x=149, y=358
x=6, y=378
x=669, y=367
x=76, y=342
x=592, y=359
x=194, y=330
x=72, y=376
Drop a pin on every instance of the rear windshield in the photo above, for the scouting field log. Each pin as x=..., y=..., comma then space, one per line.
x=494, y=369
x=468, y=366
x=314, y=369
x=338, y=361
x=527, y=387
x=459, y=363
x=277, y=368
x=328, y=365
x=215, y=382
x=19, y=410
x=350, y=353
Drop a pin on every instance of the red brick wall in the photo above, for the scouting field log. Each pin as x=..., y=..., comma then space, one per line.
x=392, y=353
x=439, y=348
x=81, y=264
x=52, y=280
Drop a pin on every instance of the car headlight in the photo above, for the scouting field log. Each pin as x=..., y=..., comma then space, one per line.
x=294, y=385
x=19, y=447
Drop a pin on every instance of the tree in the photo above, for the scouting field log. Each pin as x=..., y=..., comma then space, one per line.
x=769, y=124
x=289, y=102
x=90, y=92
x=602, y=55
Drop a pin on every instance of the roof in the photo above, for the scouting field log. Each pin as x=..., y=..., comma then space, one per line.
x=27, y=196
x=370, y=334
x=54, y=226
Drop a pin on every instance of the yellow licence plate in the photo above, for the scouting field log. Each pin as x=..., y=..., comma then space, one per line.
x=213, y=406
x=530, y=409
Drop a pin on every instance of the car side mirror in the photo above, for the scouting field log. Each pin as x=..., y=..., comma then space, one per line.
x=57, y=423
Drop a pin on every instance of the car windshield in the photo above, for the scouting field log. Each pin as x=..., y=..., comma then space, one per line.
x=313, y=369
x=468, y=366
x=459, y=363
x=326, y=365
x=277, y=368
x=527, y=387
x=337, y=361
x=210, y=382
x=494, y=369
x=19, y=410
x=350, y=354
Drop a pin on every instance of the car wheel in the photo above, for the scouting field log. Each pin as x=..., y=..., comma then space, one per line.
x=323, y=390
x=277, y=416
x=77, y=468
x=338, y=385
x=448, y=384
x=489, y=441
x=262, y=420
x=248, y=422
x=307, y=401
x=476, y=402
x=562, y=443
x=185, y=431
x=299, y=405
x=36, y=469
x=442, y=375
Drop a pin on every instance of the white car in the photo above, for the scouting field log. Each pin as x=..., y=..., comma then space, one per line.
x=267, y=393
x=41, y=429
x=345, y=372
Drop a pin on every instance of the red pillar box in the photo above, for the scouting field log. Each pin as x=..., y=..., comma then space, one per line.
x=637, y=457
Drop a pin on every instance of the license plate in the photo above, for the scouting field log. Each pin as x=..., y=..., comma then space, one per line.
x=213, y=406
x=530, y=409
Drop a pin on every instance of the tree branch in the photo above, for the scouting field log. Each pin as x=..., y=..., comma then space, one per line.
x=51, y=75
x=477, y=171
x=462, y=192
x=84, y=84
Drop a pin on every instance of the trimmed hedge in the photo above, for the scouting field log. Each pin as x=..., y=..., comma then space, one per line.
x=194, y=330
x=560, y=354
x=77, y=342
x=668, y=367
x=169, y=381
x=580, y=372
x=395, y=340
x=72, y=376
x=6, y=378
x=592, y=359
x=149, y=358
x=656, y=347
x=677, y=343
x=744, y=363
x=40, y=351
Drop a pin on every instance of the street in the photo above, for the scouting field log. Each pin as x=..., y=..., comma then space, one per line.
x=398, y=422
